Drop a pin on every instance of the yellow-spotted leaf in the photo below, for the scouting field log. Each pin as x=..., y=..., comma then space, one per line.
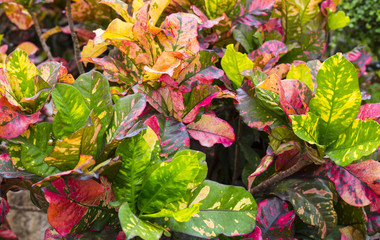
x=118, y=30
x=227, y=210
x=28, y=47
x=216, y=8
x=306, y=127
x=337, y=98
x=120, y=7
x=72, y=109
x=360, y=139
x=182, y=215
x=66, y=153
x=302, y=73
x=134, y=226
x=156, y=8
x=233, y=63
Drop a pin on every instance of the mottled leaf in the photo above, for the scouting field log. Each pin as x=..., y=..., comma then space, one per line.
x=360, y=139
x=272, y=50
x=156, y=8
x=28, y=47
x=369, y=111
x=274, y=219
x=233, y=63
x=120, y=7
x=18, y=15
x=215, y=8
x=75, y=205
x=176, y=174
x=13, y=121
x=134, y=226
x=337, y=98
x=209, y=130
x=127, y=110
x=72, y=110
x=302, y=73
x=225, y=209
x=308, y=9
x=312, y=200
x=66, y=153
x=8, y=170
x=306, y=127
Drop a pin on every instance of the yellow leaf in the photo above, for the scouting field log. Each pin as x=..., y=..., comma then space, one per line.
x=271, y=83
x=156, y=9
x=165, y=64
x=18, y=15
x=120, y=7
x=92, y=50
x=118, y=30
x=28, y=47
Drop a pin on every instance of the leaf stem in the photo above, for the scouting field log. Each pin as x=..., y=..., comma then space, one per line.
x=281, y=175
x=74, y=37
x=236, y=156
x=45, y=47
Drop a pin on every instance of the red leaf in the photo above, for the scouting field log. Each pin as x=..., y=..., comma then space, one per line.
x=287, y=155
x=71, y=201
x=255, y=235
x=368, y=172
x=370, y=111
x=6, y=232
x=351, y=188
x=294, y=97
x=273, y=47
x=12, y=120
x=210, y=130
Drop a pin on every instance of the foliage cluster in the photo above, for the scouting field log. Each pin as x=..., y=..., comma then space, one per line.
x=179, y=103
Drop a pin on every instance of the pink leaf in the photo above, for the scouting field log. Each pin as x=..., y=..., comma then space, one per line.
x=370, y=111
x=274, y=47
x=210, y=130
x=13, y=121
x=266, y=161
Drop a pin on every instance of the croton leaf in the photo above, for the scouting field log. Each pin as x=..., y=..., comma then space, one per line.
x=370, y=111
x=265, y=162
x=215, y=8
x=312, y=200
x=360, y=139
x=75, y=205
x=13, y=121
x=120, y=7
x=274, y=219
x=210, y=129
x=72, y=110
x=18, y=15
x=66, y=153
x=50, y=72
x=349, y=187
x=233, y=63
x=134, y=226
x=200, y=96
x=227, y=210
x=290, y=20
x=28, y=47
x=127, y=110
x=106, y=234
x=302, y=73
x=253, y=112
x=373, y=221
x=36, y=144
x=337, y=20
x=4, y=209
x=8, y=170
x=337, y=98
x=308, y=9
x=177, y=174
x=294, y=96
x=135, y=154
x=271, y=50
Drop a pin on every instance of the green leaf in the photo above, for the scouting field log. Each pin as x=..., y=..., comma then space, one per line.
x=302, y=73
x=337, y=98
x=35, y=147
x=180, y=215
x=306, y=127
x=225, y=209
x=168, y=183
x=312, y=200
x=72, y=110
x=67, y=152
x=308, y=9
x=135, y=154
x=233, y=63
x=95, y=90
x=245, y=35
x=290, y=21
x=216, y=8
x=337, y=20
x=134, y=226
x=360, y=139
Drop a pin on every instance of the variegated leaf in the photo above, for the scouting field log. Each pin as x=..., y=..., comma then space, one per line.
x=360, y=139
x=209, y=130
x=18, y=15
x=274, y=219
x=337, y=98
x=225, y=209
x=8, y=170
x=76, y=205
x=312, y=200
x=302, y=73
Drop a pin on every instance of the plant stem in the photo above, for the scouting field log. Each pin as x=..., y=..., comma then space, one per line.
x=281, y=175
x=74, y=37
x=45, y=47
x=236, y=156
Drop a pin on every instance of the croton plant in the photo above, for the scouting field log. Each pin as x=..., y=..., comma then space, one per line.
x=122, y=150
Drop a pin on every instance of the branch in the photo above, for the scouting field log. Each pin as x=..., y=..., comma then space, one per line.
x=74, y=37
x=281, y=175
x=236, y=157
x=45, y=47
